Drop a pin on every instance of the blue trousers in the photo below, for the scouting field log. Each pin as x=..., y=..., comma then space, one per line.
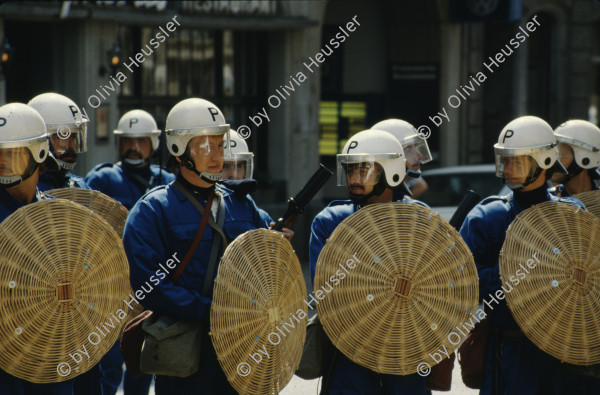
x=111, y=367
x=88, y=383
x=11, y=385
x=349, y=378
x=525, y=369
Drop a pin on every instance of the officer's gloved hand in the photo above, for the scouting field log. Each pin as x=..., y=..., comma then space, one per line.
x=242, y=187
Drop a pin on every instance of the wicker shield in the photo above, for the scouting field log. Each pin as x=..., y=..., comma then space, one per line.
x=108, y=208
x=63, y=278
x=393, y=282
x=258, y=314
x=591, y=199
x=556, y=303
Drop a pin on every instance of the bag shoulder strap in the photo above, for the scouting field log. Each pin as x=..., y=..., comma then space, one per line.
x=216, y=226
x=198, y=206
x=212, y=260
x=197, y=238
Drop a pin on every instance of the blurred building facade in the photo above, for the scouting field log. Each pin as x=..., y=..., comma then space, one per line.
x=398, y=59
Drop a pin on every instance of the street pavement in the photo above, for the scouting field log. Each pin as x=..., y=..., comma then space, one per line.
x=298, y=386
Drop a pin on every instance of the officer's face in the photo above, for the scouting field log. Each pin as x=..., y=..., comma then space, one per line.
x=413, y=157
x=64, y=148
x=362, y=177
x=566, y=158
x=13, y=161
x=234, y=170
x=517, y=168
x=135, y=147
x=207, y=153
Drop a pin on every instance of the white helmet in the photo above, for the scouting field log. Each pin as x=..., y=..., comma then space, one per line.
x=416, y=150
x=138, y=123
x=63, y=119
x=532, y=139
x=584, y=138
x=22, y=127
x=237, y=156
x=191, y=118
x=373, y=146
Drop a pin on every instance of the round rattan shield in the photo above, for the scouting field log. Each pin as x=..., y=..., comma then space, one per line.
x=553, y=250
x=108, y=208
x=258, y=314
x=63, y=279
x=393, y=282
x=591, y=199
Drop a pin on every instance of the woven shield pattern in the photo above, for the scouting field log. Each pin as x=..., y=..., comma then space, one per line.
x=413, y=281
x=63, y=275
x=556, y=304
x=108, y=208
x=258, y=308
x=591, y=199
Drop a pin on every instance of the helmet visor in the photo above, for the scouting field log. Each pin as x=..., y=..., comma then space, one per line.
x=207, y=147
x=361, y=169
x=68, y=138
x=237, y=167
x=513, y=167
x=13, y=163
x=416, y=151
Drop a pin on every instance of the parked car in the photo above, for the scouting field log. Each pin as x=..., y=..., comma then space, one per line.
x=448, y=185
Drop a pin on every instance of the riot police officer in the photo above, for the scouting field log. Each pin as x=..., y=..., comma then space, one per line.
x=23, y=148
x=126, y=181
x=416, y=152
x=165, y=221
x=67, y=134
x=371, y=167
x=526, y=157
x=579, y=153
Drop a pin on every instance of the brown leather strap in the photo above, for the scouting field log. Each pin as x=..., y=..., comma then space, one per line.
x=190, y=252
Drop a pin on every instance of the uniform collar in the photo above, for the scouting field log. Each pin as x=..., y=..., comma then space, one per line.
x=194, y=189
x=145, y=171
x=524, y=200
x=13, y=204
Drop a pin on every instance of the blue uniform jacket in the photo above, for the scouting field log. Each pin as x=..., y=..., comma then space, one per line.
x=162, y=224
x=113, y=180
x=74, y=181
x=9, y=205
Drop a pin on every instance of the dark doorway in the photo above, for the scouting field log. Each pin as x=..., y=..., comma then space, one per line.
x=541, y=68
x=31, y=70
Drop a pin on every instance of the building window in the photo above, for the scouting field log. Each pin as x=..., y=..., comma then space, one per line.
x=228, y=68
x=183, y=65
x=339, y=120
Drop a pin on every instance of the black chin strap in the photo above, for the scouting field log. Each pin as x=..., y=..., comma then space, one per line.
x=573, y=171
x=531, y=179
x=188, y=163
x=413, y=173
